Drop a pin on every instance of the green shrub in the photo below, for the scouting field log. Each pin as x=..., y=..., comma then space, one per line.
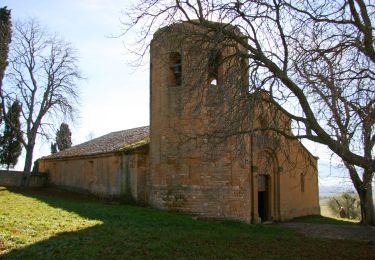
x=345, y=205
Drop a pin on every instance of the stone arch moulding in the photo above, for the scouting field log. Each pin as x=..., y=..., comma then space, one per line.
x=266, y=189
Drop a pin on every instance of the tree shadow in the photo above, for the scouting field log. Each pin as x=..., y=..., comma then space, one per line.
x=134, y=232
x=126, y=231
x=121, y=234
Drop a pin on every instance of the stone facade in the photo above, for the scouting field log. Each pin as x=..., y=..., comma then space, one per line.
x=198, y=161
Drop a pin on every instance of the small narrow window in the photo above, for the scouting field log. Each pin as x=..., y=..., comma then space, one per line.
x=244, y=73
x=302, y=182
x=141, y=160
x=176, y=68
x=214, y=58
x=89, y=169
x=90, y=165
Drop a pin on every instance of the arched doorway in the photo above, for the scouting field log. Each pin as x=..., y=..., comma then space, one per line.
x=266, y=186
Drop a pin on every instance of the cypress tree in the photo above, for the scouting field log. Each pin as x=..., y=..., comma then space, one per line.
x=64, y=137
x=53, y=148
x=5, y=37
x=11, y=142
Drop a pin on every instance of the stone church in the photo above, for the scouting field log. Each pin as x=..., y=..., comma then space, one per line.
x=211, y=148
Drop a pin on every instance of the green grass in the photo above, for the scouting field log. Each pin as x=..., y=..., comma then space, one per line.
x=38, y=225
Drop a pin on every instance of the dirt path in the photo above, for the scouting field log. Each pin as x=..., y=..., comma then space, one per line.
x=352, y=232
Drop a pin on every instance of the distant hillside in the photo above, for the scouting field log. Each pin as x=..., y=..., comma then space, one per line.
x=329, y=191
x=333, y=180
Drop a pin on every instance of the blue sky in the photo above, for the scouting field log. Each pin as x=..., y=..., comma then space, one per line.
x=115, y=95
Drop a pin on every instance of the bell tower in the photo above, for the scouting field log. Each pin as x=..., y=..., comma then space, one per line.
x=193, y=71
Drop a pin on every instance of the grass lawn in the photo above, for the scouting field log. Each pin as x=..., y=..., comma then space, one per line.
x=38, y=225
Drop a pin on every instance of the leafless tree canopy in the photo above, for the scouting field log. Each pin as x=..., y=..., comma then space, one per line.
x=315, y=58
x=42, y=75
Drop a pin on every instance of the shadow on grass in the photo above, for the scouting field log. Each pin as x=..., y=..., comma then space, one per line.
x=129, y=231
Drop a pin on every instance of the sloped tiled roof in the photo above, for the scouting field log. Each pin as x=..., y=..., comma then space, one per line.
x=112, y=142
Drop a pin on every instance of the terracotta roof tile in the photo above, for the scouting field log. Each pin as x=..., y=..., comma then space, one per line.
x=112, y=142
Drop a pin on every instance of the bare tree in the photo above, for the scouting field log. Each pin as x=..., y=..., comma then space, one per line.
x=43, y=75
x=314, y=58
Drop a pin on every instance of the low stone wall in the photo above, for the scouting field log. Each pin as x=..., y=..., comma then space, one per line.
x=14, y=178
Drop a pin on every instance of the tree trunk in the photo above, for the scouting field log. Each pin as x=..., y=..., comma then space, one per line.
x=367, y=205
x=28, y=164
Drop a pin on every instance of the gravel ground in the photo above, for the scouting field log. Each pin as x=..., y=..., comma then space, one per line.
x=352, y=232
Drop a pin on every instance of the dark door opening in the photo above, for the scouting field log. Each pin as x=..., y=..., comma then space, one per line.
x=262, y=205
x=262, y=198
